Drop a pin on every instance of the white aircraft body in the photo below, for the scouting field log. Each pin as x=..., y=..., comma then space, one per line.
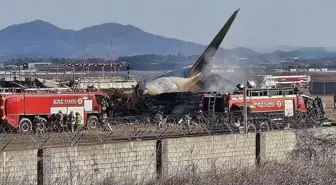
x=182, y=79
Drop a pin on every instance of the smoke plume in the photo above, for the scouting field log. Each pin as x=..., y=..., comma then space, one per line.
x=225, y=79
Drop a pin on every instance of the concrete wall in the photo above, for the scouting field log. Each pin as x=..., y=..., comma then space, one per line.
x=275, y=145
x=143, y=160
x=208, y=152
x=18, y=166
x=120, y=160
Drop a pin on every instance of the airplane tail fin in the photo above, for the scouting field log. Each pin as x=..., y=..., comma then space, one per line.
x=212, y=48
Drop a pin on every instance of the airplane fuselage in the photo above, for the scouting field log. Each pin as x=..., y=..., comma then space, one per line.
x=173, y=81
x=176, y=73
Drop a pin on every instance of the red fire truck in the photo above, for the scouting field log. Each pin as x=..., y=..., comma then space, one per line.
x=19, y=109
x=275, y=106
x=278, y=103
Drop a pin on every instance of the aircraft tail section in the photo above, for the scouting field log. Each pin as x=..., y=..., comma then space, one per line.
x=212, y=48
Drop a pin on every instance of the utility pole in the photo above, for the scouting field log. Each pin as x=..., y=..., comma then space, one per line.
x=111, y=60
x=102, y=71
x=30, y=79
x=57, y=74
x=245, y=108
x=85, y=57
x=74, y=72
x=20, y=74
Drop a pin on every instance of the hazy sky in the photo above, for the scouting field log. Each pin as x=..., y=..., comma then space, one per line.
x=259, y=24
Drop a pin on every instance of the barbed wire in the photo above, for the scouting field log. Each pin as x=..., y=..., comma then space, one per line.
x=132, y=128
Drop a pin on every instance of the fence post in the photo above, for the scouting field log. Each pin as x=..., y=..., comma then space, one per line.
x=40, y=167
x=159, y=159
x=324, y=87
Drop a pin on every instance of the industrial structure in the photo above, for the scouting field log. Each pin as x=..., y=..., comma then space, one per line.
x=68, y=75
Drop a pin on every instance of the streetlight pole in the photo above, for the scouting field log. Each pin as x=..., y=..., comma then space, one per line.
x=245, y=108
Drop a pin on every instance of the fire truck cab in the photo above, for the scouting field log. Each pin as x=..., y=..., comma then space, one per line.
x=19, y=109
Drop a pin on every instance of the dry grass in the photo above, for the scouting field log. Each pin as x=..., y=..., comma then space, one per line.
x=294, y=172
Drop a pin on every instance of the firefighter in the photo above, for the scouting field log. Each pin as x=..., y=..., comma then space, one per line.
x=110, y=109
x=60, y=118
x=240, y=87
x=187, y=120
x=37, y=119
x=72, y=121
x=128, y=71
x=79, y=122
x=104, y=104
x=159, y=119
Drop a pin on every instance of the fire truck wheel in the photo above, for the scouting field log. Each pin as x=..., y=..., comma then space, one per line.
x=25, y=126
x=92, y=123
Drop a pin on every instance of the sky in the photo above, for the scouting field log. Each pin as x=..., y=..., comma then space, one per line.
x=260, y=24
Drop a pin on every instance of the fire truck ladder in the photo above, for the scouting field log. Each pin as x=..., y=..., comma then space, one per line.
x=46, y=90
x=33, y=90
x=10, y=90
x=271, y=92
x=212, y=101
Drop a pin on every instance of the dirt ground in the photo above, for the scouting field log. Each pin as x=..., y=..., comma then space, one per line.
x=315, y=76
x=329, y=105
x=327, y=100
x=328, y=77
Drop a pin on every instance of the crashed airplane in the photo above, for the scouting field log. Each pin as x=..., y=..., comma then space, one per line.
x=170, y=92
x=184, y=79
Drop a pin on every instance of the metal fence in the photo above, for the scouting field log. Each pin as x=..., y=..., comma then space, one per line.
x=322, y=87
x=144, y=127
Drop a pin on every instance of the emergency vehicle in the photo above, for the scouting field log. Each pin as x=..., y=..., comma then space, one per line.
x=19, y=109
x=275, y=106
x=278, y=103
